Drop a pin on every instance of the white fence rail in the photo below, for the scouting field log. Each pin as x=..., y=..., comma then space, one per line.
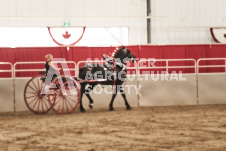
x=201, y=60
x=167, y=66
x=7, y=70
x=15, y=70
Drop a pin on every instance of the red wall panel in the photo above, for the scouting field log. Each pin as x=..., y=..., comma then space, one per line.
x=144, y=51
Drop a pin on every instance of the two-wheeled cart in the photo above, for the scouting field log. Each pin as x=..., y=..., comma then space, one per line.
x=63, y=96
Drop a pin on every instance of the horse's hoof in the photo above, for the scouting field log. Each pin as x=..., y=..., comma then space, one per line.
x=82, y=110
x=91, y=106
x=128, y=108
x=111, y=109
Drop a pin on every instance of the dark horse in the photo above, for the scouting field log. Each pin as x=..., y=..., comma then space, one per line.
x=114, y=73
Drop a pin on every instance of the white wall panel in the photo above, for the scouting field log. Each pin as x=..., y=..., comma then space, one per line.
x=43, y=13
x=20, y=104
x=190, y=14
x=166, y=92
x=183, y=13
x=6, y=95
x=211, y=89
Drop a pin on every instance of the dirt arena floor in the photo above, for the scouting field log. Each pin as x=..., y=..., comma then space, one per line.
x=142, y=129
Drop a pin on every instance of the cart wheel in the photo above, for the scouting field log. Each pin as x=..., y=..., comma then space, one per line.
x=68, y=96
x=36, y=101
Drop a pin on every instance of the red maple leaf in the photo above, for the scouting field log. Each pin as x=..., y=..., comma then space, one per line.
x=66, y=35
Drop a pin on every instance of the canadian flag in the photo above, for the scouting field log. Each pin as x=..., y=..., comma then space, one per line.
x=66, y=35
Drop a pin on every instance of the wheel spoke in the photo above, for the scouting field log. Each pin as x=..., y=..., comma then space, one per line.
x=57, y=102
x=63, y=106
x=73, y=100
x=66, y=105
x=31, y=92
x=70, y=104
x=35, y=103
x=42, y=105
x=31, y=96
x=35, y=85
x=32, y=88
x=38, y=81
x=45, y=103
x=38, y=104
x=58, y=108
x=46, y=98
x=33, y=100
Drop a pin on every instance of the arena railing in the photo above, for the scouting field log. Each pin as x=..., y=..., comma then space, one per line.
x=38, y=70
x=206, y=61
x=208, y=64
x=7, y=70
x=167, y=66
x=200, y=64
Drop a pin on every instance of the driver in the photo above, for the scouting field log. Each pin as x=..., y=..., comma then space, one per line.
x=50, y=68
x=50, y=72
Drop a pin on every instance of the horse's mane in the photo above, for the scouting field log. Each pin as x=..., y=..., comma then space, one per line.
x=117, y=52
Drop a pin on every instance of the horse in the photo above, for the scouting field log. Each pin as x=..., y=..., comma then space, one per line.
x=112, y=73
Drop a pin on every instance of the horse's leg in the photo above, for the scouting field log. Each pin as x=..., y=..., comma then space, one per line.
x=126, y=102
x=81, y=105
x=111, y=108
x=87, y=92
